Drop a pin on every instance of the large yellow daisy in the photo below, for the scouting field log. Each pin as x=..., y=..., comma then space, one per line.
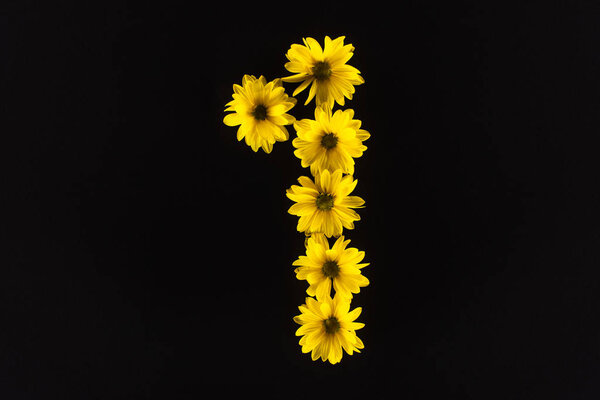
x=329, y=141
x=326, y=69
x=323, y=268
x=328, y=327
x=324, y=206
x=260, y=108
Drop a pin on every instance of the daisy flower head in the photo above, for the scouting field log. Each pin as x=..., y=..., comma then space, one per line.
x=260, y=110
x=327, y=327
x=324, y=69
x=325, y=205
x=329, y=141
x=323, y=267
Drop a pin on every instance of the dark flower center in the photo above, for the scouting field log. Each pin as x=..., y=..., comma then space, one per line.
x=324, y=201
x=329, y=141
x=321, y=70
x=260, y=112
x=332, y=325
x=330, y=269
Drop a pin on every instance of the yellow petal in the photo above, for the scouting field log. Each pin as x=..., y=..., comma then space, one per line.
x=323, y=290
x=232, y=119
x=315, y=48
x=325, y=308
x=307, y=81
x=295, y=78
x=311, y=93
x=351, y=201
x=302, y=209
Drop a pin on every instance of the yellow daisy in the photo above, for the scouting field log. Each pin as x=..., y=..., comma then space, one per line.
x=326, y=69
x=323, y=267
x=324, y=206
x=328, y=327
x=329, y=141
x=260, y=108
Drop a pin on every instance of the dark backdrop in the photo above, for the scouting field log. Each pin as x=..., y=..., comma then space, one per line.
x=146, y=254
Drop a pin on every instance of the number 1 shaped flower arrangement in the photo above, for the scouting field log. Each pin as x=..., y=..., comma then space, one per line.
x=323, y=203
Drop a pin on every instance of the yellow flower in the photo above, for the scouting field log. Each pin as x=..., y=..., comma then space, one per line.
x=328, y=327
x=260, y=110
x=325, y=205
x=323, y=267
x=326, y=69
x=329, y=141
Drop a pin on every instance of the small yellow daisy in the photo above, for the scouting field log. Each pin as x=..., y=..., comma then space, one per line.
x=324, y=206
x=260, y=108
x=323, y=267
x=328, y=327
x=329, y=141
x=326, y=69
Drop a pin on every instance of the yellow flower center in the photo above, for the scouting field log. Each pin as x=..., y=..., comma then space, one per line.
x=321, y=70
x=330, y=269
x=329, y=141
x=331, y=325
x=260, y=112
x=324, y=201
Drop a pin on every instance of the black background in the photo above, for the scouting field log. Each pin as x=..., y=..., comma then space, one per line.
x=146, y=254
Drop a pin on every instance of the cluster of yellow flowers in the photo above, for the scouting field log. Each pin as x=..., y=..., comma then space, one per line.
x=328, y=146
